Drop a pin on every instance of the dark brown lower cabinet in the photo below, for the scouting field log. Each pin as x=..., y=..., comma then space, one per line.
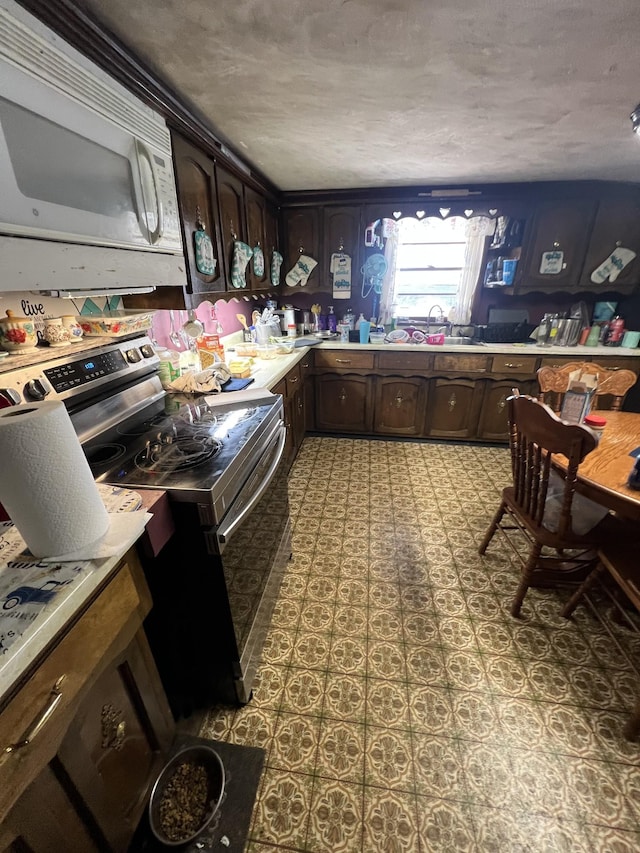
x=400, y=405
x=493, y=424
x=344, y=403
x=82, y=782
x=454, y=406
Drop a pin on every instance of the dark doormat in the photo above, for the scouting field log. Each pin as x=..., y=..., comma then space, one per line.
x=242, y=767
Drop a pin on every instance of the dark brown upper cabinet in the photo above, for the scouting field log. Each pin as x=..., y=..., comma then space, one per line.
x=198, y=206
x=303, y=236
x=557, y=227
x=617, y=224
x=232, y=221
x=256, y=211
x=343, y=232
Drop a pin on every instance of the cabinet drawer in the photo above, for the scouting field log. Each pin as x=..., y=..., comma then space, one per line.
x=622, y=363
x=514, y=363
x=461, y=363
x=344, y=359
x=418, y=361
x=560, y=361
x=76, y=657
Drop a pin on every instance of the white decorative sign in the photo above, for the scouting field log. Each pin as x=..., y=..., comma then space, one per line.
x=551, y=263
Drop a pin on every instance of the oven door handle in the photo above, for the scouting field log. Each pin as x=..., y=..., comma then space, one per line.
x=224, y=533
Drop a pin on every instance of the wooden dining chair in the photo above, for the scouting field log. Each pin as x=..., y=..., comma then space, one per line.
x=537, y=514
x=618, y=562
x=613, y=384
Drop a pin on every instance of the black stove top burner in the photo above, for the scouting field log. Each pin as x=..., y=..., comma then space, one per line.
x=170, y=453
x=181, y=444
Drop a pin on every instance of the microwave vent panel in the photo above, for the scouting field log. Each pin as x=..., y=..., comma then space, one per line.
x=25, y=49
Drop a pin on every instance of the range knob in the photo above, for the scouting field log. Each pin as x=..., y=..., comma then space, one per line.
x=35, y=389
x=133, y=356
x=9, y=397
x=147, y=350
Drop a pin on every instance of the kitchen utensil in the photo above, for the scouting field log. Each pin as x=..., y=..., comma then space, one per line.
x=174, y=337
x=243, y=321
x=193, y=327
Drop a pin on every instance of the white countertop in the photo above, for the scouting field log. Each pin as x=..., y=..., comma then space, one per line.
x=28, y=628
x=267, y=373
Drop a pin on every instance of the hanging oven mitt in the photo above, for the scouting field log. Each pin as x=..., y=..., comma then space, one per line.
x=276, y=263
x=242, y=254
x=612, y=266
x=258, y=261
x=205, y=262
x=299, y=274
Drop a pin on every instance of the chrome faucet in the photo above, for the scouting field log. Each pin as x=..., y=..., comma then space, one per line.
x=441, y=316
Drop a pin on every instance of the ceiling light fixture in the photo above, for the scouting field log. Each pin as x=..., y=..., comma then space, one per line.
x=635, y=120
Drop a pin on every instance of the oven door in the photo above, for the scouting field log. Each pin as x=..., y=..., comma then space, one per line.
x=254, y=544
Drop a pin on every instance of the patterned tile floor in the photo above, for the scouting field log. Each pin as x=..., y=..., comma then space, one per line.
x=401, y=707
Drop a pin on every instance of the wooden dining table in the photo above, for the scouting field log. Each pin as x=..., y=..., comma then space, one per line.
x=603, y=474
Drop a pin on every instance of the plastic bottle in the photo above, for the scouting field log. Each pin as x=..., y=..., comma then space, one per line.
x=349, y=318
x=332, y=320
x=361, y=319
x=169, y=367
x=615, y=332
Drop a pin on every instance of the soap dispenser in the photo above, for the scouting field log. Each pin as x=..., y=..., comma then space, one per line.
x=332, y=321
x=361, y=319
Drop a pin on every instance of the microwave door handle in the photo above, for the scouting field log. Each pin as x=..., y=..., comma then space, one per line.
x=225, y=532
x=143, y=153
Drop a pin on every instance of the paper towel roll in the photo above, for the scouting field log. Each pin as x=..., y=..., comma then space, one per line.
x=46, y=484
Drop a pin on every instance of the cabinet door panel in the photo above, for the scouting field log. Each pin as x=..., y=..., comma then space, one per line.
x=302, y=230
x=617, y=224
x=197, y=201
x=256, y=210
x=111, y=749
x=453, y=408
x=493, y=423
x=343, y=403
x=562, y=227
x=232, y=224
x=342, y=232
x=273, y=243
x=400, y=405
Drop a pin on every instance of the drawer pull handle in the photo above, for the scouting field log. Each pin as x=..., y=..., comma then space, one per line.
x=292, y=379
x=343, y=361
x=40, y=721
x=513, y=364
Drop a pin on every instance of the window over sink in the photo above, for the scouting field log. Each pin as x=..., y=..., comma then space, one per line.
x=433, y=267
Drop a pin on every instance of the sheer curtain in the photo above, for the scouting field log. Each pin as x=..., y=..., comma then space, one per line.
x=385, y=311
x=477, y=230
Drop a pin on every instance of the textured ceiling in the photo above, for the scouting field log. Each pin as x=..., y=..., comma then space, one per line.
x=324, y=94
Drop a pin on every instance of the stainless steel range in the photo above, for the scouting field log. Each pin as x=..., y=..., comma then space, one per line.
x=215, y=583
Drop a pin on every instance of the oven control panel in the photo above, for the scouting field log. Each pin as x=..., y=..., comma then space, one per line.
x=64, y=377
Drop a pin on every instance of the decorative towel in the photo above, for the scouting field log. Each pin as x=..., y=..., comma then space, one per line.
x=204, y=382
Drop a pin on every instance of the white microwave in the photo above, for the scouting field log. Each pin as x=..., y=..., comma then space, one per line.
x=82, y=161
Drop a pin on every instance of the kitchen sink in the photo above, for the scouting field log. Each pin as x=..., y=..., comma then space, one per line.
x=461, y=341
